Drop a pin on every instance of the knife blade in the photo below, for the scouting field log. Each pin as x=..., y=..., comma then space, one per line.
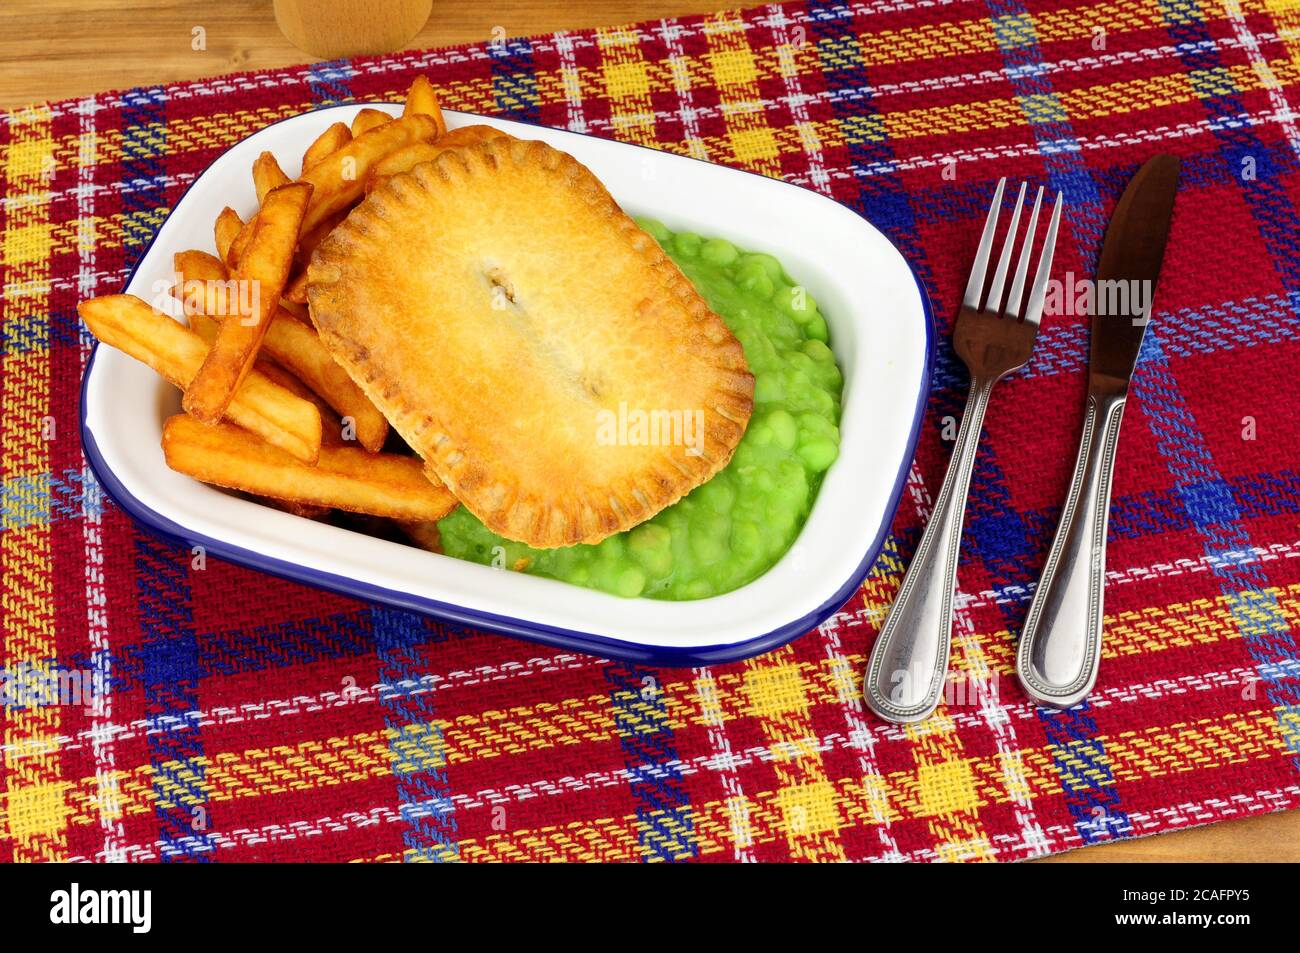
x=1127, y=272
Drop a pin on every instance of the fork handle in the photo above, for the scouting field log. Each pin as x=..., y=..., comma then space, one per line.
x=1060, y=648
x=909, y=662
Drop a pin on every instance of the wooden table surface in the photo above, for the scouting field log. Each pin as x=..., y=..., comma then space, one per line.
x=55, y=49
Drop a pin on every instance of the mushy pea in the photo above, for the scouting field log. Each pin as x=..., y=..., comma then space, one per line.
x=734, y=528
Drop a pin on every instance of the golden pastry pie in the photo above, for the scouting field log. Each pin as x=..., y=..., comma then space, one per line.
x=408, y=157
x=543, y=355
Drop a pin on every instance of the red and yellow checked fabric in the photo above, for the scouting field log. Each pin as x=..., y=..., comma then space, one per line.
x=226, y=715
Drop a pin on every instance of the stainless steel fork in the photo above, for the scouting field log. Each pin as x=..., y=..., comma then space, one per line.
x=909, y=663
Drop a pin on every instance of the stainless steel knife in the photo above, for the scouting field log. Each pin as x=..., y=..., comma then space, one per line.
x=1060, y=647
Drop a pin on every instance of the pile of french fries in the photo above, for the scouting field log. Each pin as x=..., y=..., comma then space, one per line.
x=267, y=410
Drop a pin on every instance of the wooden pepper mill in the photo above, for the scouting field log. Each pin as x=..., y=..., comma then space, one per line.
x=334, y=29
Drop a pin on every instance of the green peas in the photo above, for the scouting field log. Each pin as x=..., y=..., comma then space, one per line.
x=758, y=284
x=719, y=251
x=819, y=454
x=656, y=228
x=746, y=539
x=784, y=429
x=649, y=537
x=769, y=389
x=795, y=301
x=819, y=352
x=718, y=494
x=706, y=547
x=817, y=330
x=687, y=244
x=612, y=548
x=630, y=582
x=765, y=264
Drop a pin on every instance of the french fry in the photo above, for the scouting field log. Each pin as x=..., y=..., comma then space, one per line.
x=237, y=247
x=267, y=175
x=291, y=343
x=176, y=352
x=298, y=347
x=207, y=329
x=295, y=292
x=345, y=478
x=311, y=239
x=424, y=535
x=339, y=179
x=298, y=310
x=368, y=119
x=226, y=230
x=422, y=100
x=331, y=140
x=331, y=427
x=308, y=511
x=264, y=264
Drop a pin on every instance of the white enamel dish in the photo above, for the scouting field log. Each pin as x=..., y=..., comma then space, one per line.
x=881, y=333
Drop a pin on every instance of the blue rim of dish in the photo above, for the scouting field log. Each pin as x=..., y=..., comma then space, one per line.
x=588, y=643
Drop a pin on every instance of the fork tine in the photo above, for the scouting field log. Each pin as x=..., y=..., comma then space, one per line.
x=1034, y=310
x=975, y=286
x=1004, y=260
x=1014, y=300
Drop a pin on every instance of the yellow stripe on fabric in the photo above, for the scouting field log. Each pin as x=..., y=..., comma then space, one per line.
x=1178, y=625
x=942, y=787
x=1286, y=20
x=749, y=140
x=36, y=812
x=625, y=81
x=951, y=39
x=1204, y=744
x=881, y=586
x=734, y=71
x=944, y=790
x=548, y=725
x=930, y=42
x=777, y=694
x=738, y=806
x=898, y=797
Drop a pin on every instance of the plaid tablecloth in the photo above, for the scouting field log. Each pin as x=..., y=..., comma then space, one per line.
x=229, y=715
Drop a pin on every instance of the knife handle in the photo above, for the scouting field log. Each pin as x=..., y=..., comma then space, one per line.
x=1060, y=647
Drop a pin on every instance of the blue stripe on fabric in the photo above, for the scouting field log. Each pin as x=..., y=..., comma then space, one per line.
x=1067, y=173
x=418, y=747
x=144, y=129
x=39, y=499
x=1254, y=321
x=1091, y=793
x=169, y=661
x=1212, y=508
x=330, y=82
x=853, y=102
x=1265, y=631
x=1087, y=782
x=270, y=647
x=168, y=648
x=1267, y=193
x=514, y=80
x=1010, y=545
x=665, y=825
